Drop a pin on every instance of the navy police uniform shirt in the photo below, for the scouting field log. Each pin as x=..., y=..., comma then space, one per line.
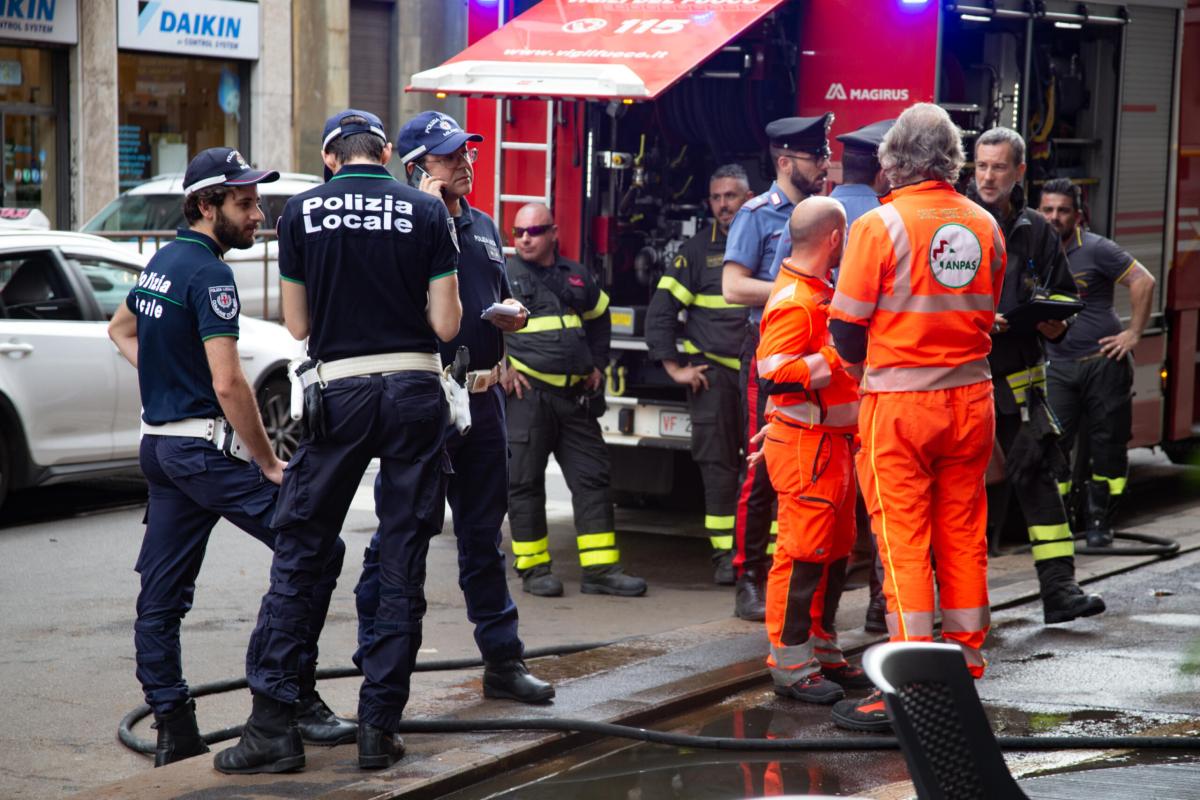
x=366, y=247
x=481, y=282
x=755, y=232
x=183, y=297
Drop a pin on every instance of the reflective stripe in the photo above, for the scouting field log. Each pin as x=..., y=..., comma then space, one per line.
x=1064, y=488
x=525, y=562
x=793, y=663
x=595, y=558
x=1116, y=486
x=591, y=541
x=677, y=290
x=827, y=652
x=551, y=323
x=783, y=294
x=531, y=548
x=819, y=372
x=725, y=361
x=546, y=377
x=715, y=301
x=966, y=620
x=600, y=307
x=901, y=249
x=925, y=379
x=1049, y=533
x=1045, y=550
x=774, y=527
x=859, y=310
x=937, y=303
x=719, y=523
x=917, y=625
x=771, y=547
x=721, y=542
x=842, y=415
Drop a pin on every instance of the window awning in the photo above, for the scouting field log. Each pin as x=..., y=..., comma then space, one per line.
x=594, y=49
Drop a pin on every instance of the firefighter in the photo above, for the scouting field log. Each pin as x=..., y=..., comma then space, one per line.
x=1090, y=371
x=799, y=150
x=1025, y=427
x=555, y=387
x=913, y=309
x=808, y=448
x=369, y=268
x=179, y=328
x=712, y=336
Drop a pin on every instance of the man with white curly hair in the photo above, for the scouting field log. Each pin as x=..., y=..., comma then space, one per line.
x=913, y=312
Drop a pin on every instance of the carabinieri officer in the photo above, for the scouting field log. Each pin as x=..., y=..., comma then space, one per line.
x=369, y=268
x=436, y=156
x=179, y=327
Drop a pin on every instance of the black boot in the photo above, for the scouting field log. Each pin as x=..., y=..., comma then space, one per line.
x=318, y=724
x=750, y=599
x=377, y=749
x=876, y=620
x=1099, y=526
x=540, y=581
x=510, y=680
x=611, y=579
x=270, y=741
x=178, y=735
x=1062, y=599
x=723, y=572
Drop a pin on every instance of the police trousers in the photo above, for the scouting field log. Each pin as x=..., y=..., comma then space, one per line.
x=401, y=419
x=716, y=449
x=478, y=494
x=754, y=523
x=192, y=485
x=547, y=421
x=1097, y=390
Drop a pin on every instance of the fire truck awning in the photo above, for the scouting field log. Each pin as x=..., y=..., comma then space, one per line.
x=594, y=49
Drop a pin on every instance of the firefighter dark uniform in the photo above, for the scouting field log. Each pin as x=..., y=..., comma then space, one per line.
x=1025, y=427
x=566, y=337
x=185, y=296
x=1083, y=381
x=712, y=335
x=366, y=248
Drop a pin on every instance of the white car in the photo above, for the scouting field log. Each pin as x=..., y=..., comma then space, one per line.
x=69, y=403
x=157, y=205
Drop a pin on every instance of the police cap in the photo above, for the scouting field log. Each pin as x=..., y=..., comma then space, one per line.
x=222, y=166
x=337, y=126
x=431, y=133
x=866, y=140
x=802, y=134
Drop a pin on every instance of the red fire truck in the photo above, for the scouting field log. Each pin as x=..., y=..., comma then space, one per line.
x=614, y=112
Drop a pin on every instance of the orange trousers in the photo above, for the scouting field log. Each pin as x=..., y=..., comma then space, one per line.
x=921, y=467
x=813, y=474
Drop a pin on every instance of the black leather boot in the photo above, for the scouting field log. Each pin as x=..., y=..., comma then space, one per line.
x=1099, y=526
x=270, y=741
x=1062, y=599
x=510, y=680
x=876, y=619
x=178, y=735
x=723, y=572
x=377, y=749
x=750, y=599
x=319, y=725
x=540, y=581
x=611, y=579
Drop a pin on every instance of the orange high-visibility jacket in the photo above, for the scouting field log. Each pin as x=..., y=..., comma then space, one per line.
x=796, y=358
x=923, y=273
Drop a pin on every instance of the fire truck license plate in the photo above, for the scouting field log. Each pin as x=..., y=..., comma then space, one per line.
x=676, y=424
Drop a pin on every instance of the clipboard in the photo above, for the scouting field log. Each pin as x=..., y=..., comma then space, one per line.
x=1041, y=309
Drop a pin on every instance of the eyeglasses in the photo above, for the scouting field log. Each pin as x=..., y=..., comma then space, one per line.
x=532, y=230
x=467, y=154
x=821, y=159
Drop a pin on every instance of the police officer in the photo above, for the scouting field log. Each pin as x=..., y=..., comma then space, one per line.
x=369, y=268
x=1090, y=370
x=179, y=327
x=1025, y=428
x=436, y=157
x=713, y=337
x=799, y=148
x=555, y=387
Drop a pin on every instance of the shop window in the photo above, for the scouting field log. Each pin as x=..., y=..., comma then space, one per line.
x=29, y=126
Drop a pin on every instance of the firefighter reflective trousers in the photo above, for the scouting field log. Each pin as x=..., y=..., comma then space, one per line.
x=813, y=474
x=921, y=467
x=716, y=449
x=1037, y=495
x=1098, y=392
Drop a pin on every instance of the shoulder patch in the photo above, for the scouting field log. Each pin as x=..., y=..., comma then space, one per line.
x=776, y=199
x=223, y=300
x=680, y=261
x=755, y=202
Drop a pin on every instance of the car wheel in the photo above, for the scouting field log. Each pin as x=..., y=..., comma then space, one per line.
x=275, y=405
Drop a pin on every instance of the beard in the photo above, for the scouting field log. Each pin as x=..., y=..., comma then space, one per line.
x=229, y=235
x=807, y=187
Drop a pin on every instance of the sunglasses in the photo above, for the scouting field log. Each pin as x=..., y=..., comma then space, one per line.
x=532, y=230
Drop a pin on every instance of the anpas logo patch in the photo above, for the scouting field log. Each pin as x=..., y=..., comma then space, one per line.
x=955, y=255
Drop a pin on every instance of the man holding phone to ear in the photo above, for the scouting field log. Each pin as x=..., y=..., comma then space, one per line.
x=437, y=156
